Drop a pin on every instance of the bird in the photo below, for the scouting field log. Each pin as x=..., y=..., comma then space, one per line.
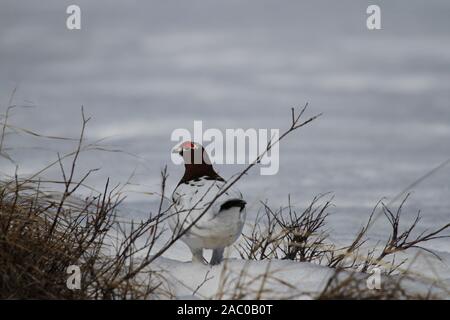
x=221, y=224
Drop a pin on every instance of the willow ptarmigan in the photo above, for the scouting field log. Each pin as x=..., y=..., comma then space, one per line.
x=221, y=225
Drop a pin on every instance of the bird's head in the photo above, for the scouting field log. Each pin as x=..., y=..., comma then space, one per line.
x=192, y=153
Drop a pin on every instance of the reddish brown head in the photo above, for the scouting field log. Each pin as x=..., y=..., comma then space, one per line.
x=196, y=161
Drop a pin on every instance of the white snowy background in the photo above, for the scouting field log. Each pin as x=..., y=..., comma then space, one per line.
x=144, y=68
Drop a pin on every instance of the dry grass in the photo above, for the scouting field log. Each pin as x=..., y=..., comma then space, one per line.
x=43, y=233
x=302, y=236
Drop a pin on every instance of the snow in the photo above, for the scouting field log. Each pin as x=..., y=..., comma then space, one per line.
x=284, y=279
x=269, y=279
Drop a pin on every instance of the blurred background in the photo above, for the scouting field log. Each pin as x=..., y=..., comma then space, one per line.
x=144, y=68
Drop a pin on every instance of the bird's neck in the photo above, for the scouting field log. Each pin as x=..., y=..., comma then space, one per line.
x=196, y=171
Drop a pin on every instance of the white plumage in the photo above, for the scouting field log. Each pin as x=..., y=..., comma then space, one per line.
x=219, y=226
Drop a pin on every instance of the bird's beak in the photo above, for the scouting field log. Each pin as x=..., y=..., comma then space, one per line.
x=177, y=150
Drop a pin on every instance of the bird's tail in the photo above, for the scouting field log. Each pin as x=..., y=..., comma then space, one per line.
x=239, y=203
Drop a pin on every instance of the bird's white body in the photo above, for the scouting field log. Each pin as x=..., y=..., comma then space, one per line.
x=217, y=228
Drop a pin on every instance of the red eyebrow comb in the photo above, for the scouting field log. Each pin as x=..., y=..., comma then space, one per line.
x=187, y=144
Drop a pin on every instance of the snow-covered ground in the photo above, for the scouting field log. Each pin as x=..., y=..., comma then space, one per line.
x=272, y=279
x=280, y=279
